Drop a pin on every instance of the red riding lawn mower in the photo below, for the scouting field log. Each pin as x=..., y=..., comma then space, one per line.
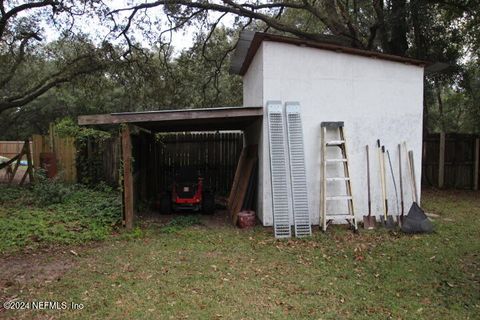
x=187, y=193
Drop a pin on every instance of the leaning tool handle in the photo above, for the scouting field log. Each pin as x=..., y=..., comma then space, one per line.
x=412, y=164
x=368, y=183
x=384, y=174
x=401, y=179
x=382, y=179
x=412, y=183
x=393, y=177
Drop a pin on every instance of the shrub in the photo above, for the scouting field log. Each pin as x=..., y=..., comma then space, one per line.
x=48, y=191
x=53, y=213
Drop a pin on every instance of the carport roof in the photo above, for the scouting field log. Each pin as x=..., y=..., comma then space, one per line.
x=207, y=119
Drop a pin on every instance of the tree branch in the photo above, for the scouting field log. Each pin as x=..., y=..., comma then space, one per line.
x=89, y=65
x=6, y=15
x=251, y=11
x=2, y=7
x=19, y=59
x=41, y=89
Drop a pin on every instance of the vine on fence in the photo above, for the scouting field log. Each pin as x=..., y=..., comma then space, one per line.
x=90, y=148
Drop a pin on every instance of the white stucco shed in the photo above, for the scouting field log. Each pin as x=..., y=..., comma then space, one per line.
x=378, y=96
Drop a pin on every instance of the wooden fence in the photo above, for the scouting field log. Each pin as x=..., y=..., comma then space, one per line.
x=10, y=149
x=15, y=172
x=451, y=161
x=65, y=153
x=99, y=160
x=156, y=161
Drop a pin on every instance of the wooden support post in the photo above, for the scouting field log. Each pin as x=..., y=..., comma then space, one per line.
x=17, y=164
x=26, y=148
x=51, y=133
x=476, y=164
x=29, y=162
x=441, y=161
x=127, y=177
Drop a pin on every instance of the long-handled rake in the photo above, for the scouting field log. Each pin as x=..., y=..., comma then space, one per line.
x=369, y=222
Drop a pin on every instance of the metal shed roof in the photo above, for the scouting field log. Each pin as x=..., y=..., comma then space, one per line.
x=249, y=43
x=207, y=119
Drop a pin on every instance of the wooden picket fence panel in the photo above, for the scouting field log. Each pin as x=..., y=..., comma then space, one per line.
x=10, y=149
x=451, y=161
x=65, y=153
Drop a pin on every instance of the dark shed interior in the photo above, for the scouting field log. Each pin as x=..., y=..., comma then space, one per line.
x=208, y=140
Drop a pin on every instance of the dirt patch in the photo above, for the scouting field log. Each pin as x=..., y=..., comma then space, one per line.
x=219, y=219
x=43, y=265
x=29, y=269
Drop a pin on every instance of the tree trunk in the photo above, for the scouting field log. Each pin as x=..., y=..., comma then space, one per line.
x=398, y=42
x=426, y=110
x=418, y=37
x=438, y=92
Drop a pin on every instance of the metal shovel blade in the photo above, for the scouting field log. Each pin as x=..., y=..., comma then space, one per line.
x=389, y=223
x=369, y=222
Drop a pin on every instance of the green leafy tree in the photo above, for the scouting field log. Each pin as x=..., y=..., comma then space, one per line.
x=31, y=68
x=199, y=76
x=73, y=75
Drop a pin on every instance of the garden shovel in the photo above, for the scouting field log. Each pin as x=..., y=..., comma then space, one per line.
x=387, y=220
x=369, y=222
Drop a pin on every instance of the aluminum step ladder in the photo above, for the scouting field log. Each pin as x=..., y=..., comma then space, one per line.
x=278, y=171
x=327, y=217
x=298, y=176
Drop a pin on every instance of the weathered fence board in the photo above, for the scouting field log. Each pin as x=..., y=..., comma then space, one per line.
x=214, y=155
x=157, y=159
x=10, y=149
x=65, y=153
x=99, y=160
x=457, y=152
x=11, y=171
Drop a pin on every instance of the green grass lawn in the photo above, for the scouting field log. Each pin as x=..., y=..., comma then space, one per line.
x=186, y=271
